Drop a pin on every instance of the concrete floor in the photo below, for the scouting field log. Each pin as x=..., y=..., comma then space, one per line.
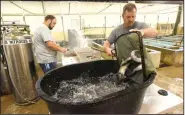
x=169, y=78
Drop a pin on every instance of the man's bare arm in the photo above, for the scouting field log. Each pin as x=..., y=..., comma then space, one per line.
x=147, y=32
x=150, y=32
x=107, y=48
x=54, y=46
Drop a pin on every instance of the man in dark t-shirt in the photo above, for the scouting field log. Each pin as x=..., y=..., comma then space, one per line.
x=129, y=16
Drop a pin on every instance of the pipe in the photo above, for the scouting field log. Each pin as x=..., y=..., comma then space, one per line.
x=2, y=19
x=63, y=28
x=89, y=13
x=167, y=29
x=44, y=12
x=11, y=25
x=105, y=27
x=80, y=22
x=177, y=20
x=21, y=8
x=23, y=14
x=69, y=8
x=62, y=19
x=104, y=9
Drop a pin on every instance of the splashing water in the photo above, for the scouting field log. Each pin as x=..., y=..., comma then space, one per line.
x=87, y=89
x=82, y=42
x=76, y=39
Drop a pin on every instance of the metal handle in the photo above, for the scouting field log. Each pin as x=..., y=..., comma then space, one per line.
x=141, y=52
x=113, y=52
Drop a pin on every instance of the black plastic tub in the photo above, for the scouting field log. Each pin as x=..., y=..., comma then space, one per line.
x=125, y=101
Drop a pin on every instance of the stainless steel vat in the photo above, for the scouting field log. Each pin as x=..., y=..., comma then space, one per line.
x=5, y=80
x=20, y=61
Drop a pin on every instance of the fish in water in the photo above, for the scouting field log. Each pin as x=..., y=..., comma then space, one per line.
x=125, y=64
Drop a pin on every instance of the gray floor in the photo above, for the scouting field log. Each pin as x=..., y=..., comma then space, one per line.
x=169, y=78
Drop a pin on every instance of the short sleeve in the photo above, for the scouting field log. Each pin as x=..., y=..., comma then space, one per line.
x=46, y=35
x=112, y=37
x=144, y=25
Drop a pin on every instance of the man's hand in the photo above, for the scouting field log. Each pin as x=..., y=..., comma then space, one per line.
x=134, y=30
x=55, y=47
x=147, y=32
x=63, y=50
x=108, y=50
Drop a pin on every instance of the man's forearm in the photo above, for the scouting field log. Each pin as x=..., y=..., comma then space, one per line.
x=150, y=32
x=106, y=45
x=54, y=46
x=107, y=48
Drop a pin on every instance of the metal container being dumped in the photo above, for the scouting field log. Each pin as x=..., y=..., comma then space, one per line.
x=126, y=101
x=18, y=52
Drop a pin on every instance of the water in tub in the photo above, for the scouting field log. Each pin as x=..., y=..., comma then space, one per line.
x=87, y=89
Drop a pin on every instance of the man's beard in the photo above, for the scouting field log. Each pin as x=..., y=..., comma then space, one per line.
x=130, y=23
x=50, y=26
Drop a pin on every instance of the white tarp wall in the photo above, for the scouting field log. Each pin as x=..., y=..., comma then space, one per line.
x=92, y=14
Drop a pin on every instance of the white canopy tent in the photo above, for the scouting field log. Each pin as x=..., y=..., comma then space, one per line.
x=84, y=14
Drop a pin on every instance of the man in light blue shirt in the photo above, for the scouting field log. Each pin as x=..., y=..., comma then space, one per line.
x=44, y=47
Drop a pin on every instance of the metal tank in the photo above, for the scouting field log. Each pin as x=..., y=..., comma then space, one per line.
x=4, y=79
x=17, y=45
x=5, y=83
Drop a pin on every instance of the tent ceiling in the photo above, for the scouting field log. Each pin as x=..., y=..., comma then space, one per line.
x=84, y=8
